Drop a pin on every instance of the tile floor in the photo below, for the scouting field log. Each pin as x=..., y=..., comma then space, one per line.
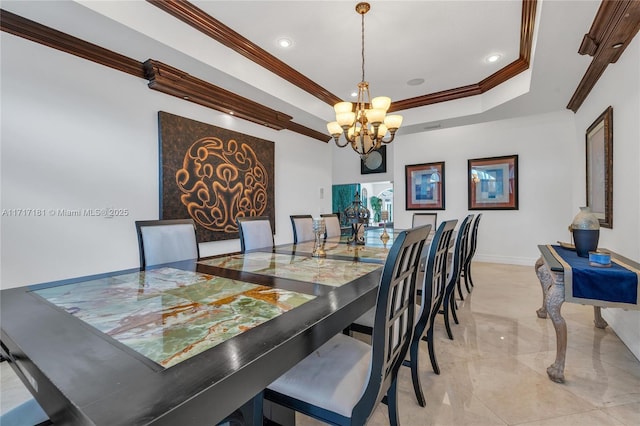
x=494, y=371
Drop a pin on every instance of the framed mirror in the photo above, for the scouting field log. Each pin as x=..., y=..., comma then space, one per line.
x=599, y=150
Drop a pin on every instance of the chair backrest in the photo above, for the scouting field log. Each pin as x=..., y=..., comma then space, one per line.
x=332, y=225
x=420, y=219
x=459, y=253
x=435, y=277
x=393, y=324
x=302, y=227
x=473, y=241
x=165, y=241
x=255, y=232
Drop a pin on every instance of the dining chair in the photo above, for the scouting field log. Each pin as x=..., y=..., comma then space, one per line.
x=255, y=232
x=332, y=225
x=431, y=296
x=471, y=251
x=164, y=241
x=344, y=380
x=420, y=219
x=302, y=227
x=29, y=413
x=453, y=277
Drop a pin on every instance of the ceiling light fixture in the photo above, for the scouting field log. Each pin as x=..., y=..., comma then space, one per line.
x=284, y=42
x=493, y=58
x=366, y=127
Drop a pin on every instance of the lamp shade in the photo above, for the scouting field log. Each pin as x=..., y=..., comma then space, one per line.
x=375, y=115
x=393, y=122
x=334, y=128
x=381, y=102
x=341, y=107
x=345, y=118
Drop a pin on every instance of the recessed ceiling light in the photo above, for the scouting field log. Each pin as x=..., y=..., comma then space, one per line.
x=354, y=94
x=284, y=42
x=230, y=112
x=415, y=81
x=493, y=58
x=618, y=45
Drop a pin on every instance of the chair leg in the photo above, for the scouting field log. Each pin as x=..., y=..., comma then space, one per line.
x=467, y=277
x=432, y=353
x=459, y=289
x=447, y=307
x=392, y=402
x=454, y=308
x=415, y=372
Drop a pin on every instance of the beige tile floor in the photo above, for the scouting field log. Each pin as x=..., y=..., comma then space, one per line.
x=494, y=371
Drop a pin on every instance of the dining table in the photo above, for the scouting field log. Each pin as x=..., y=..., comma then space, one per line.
x=186, y=343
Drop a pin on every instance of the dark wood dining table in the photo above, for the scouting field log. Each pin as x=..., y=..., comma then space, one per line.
x=101, y=350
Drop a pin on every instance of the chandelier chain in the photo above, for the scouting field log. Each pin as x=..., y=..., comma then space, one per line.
x=362, y=47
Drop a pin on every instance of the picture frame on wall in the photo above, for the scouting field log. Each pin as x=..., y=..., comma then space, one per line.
x=493, y=183
x=599, y=168
x=376, y=162
x=424, y=186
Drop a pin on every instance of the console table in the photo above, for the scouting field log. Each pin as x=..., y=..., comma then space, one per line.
x=566, y=277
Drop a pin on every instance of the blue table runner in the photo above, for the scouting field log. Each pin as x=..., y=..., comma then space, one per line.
x=586, y=283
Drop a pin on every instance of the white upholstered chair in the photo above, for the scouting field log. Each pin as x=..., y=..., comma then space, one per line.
x=165, y=241
x=344, y=380
x=302, y=227
x=455, y=269
x=431, y=296
x=255, y=232
x=332, y=225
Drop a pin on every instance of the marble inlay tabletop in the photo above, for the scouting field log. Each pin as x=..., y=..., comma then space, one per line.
x=331, y=272
x=341, y=248
x=169, y=315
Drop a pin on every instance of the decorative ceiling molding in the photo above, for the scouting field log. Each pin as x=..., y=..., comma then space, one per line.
x=175, y=82
x=161, y=77
x=215, y=29
x=527, y=24
x=208, y=25
x=612, y=30
x=25, y=28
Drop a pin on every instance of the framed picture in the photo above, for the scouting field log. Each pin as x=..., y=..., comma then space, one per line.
x=493, y=183
x=376, y=162
x=599, y=149
x=425, y=186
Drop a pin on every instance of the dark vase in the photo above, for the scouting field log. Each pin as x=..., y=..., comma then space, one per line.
x=586, y=231
x=586, y=240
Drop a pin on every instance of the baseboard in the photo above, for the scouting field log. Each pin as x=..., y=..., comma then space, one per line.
x=524, y=261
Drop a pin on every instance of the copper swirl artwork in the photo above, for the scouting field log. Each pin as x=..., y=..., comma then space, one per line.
x=219, y=183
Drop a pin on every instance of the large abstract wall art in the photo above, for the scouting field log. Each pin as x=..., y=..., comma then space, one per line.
x=213, y=175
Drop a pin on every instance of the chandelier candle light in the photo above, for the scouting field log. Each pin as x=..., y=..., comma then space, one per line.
x=366, y=127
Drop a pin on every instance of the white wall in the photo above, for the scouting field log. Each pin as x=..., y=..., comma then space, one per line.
x=543, y=144
x=78, y=135
x=619, y=87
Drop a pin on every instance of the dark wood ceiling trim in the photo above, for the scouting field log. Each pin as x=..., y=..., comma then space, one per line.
x=215, y=29
x=616, y=24
x=203, y=22
x=165, y=78
x=25, y=28
x=527, y=24
x=175, y=82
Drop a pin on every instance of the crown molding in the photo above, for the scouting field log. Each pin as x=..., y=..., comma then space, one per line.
x=215, y=29
x=616, y=23
x=208, y=25
x=161, y=77
x=30, y=30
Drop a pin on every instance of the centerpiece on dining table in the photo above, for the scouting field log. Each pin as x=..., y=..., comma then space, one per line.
x=357, y=216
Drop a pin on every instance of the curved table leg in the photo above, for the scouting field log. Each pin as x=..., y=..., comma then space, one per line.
x=597, y=318
x=554, y=300
x=545, y=283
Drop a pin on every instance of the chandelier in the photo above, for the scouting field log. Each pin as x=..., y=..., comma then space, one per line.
x=366, y=127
